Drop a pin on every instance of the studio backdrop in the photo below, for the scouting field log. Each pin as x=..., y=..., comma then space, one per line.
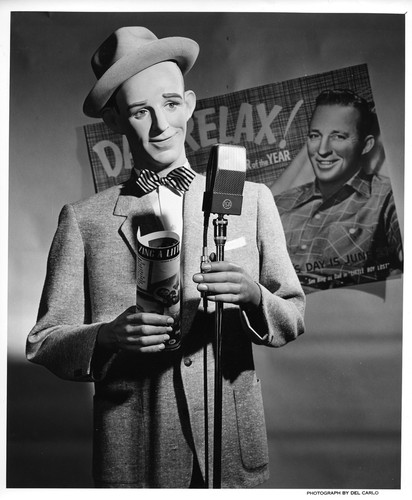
x=332, y=397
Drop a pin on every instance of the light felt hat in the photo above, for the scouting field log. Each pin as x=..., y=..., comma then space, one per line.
x=128, y=51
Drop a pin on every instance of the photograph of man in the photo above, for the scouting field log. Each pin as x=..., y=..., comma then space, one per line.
x=342, y=227
x=149, y=428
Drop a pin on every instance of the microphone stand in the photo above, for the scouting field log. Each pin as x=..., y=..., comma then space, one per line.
x=223, y=190
x=220, y=226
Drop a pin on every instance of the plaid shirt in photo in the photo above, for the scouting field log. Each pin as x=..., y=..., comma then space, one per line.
x=351, y=237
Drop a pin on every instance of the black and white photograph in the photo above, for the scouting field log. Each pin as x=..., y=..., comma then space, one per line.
x=206, y=262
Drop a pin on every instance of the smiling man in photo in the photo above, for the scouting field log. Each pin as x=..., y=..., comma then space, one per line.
x=342, y=227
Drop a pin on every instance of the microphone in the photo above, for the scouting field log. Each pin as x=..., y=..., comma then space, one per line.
x=225, y=179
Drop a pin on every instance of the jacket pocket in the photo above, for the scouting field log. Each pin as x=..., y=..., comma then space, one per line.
x=251, y=426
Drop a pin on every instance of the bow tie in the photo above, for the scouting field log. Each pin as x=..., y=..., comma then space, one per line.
x=179, y=179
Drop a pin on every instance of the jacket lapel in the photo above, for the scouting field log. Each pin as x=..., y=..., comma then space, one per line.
x=137, y=212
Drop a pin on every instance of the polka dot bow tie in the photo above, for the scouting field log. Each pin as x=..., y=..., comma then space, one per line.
x=179, y=179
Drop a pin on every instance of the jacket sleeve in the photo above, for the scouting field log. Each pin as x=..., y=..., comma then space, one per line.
x=63, y=339
x=280, y=317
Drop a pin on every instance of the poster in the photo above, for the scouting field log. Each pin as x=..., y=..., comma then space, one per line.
x=271, y=122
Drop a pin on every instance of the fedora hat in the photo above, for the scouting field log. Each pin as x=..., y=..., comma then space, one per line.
x=128, y=51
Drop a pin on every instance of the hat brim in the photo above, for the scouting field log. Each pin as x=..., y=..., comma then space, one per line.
x=183, y=51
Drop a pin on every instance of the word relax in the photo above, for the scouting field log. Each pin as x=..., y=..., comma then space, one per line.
x=210, y=133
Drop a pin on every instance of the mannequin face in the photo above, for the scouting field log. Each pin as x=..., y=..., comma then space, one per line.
x=153, y=110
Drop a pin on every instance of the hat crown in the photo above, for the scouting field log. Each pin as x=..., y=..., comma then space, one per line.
x=128, y=51
x=120, y=43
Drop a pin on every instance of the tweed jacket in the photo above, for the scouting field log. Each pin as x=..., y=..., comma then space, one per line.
x=149, y=416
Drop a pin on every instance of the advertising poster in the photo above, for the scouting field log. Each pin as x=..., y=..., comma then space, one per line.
x=348, y=239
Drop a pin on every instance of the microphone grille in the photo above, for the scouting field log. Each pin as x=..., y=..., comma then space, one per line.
x=231, y=172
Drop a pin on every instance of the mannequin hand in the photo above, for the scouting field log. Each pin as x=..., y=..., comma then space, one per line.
x=135, y=331
x=228, y=282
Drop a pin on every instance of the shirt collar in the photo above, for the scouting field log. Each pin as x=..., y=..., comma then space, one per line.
x=360, y=182
x=305, y=193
